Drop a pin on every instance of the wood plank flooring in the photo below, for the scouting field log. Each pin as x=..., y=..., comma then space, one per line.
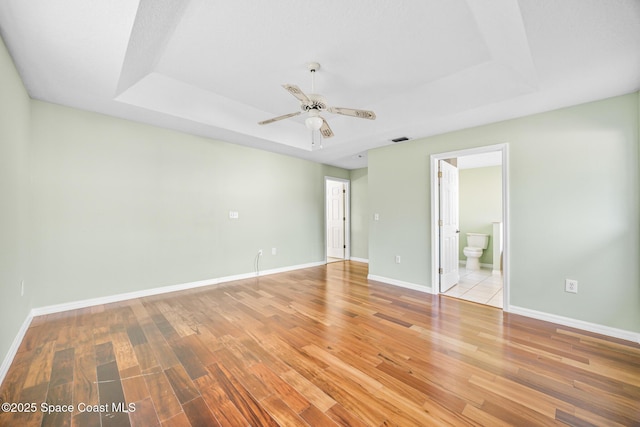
x=320, y=347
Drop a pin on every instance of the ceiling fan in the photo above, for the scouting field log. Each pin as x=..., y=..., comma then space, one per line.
x=314, y=104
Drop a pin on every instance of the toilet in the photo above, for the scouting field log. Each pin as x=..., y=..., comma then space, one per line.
x=476, y=243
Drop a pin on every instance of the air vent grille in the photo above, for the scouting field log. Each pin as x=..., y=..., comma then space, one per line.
x=400, y=139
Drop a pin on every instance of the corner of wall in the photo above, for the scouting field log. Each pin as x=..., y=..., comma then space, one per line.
x=15, y=105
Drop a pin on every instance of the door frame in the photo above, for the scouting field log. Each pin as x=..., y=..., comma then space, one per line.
x=347, y=215
x=435, y=213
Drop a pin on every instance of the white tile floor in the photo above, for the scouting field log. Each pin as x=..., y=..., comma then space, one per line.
x=478, y=286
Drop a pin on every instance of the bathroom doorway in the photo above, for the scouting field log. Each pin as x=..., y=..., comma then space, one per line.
x=477, y=204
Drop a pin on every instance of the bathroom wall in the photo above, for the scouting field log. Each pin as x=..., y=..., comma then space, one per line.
x=480, y=205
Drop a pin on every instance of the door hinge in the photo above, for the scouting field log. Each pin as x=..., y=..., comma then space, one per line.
x=440, y=271
x=440, y=223
x=439, y=174
x=344, y=246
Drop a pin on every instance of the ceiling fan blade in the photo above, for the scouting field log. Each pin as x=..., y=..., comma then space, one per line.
x=295, y=91
x=363, y=114
x=325, y=130
x=275, y=119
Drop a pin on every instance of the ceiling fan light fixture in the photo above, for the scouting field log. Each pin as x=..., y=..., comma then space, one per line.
x=314, y=121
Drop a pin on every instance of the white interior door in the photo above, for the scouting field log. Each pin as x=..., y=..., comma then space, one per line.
x=335, y=219
x=448, y=225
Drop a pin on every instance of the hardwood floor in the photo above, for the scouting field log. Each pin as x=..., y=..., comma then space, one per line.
x=321, y=347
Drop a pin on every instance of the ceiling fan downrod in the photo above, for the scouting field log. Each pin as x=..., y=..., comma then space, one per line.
x=313, y=67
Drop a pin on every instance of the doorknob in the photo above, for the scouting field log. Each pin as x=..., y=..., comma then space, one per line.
x=457, y=231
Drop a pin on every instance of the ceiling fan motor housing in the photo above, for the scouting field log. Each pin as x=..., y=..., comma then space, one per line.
x=316, y=102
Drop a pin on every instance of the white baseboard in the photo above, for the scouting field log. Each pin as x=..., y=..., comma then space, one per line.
x=364, y=260
x=400, y=283
x=463, y=262
x=74, y=305
x=15, y=345
x=560, y=320
x=578, y=324
x=268, y=272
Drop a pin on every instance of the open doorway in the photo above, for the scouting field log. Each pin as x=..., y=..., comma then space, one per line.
x=337, y=222
x=469, y=194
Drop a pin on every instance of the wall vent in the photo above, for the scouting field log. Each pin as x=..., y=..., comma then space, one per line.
x=400, y=139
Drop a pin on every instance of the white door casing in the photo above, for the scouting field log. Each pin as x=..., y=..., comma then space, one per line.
x=335, y=219
x=449, y=226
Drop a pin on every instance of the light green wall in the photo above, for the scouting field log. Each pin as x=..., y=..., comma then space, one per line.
x=480, y=205
x=399, y=194
x=573, y=192
x=14, y=144
x=359, y=213
x=120, y=206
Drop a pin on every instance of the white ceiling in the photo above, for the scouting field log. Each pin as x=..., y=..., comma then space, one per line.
x=215, y=68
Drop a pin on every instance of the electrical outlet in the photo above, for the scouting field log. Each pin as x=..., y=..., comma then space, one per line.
x=259, y=252
x=376, y=217
x=274, y=251
x=397, y=259
x=571, y=285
